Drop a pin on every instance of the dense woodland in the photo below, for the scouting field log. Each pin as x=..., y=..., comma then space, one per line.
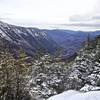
x=45, y=75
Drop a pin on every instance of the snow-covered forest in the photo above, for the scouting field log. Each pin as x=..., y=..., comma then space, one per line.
x=44, y=75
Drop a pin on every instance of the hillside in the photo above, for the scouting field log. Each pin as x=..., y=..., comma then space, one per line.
x=28, y=39
x=32, y=40
x=70, y=41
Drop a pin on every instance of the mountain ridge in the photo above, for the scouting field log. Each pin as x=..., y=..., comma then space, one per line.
x=48, y=41
x=29, y=39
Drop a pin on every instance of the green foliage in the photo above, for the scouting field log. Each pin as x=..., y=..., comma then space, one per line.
x=13, y=74
x=98, y=41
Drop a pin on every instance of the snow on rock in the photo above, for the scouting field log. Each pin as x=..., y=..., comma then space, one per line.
x=74, y=95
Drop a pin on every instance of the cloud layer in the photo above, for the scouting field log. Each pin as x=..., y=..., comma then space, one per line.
x=50, y=11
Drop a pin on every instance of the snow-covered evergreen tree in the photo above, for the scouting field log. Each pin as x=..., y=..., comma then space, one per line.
x=47, y=77
x=85, y=69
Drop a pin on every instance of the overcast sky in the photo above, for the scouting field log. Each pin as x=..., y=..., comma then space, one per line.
x=29, y=12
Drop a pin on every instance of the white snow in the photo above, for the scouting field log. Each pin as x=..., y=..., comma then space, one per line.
x=88, y=88
x=44, y=34
x=36, y=34
x=4, y=35
x=74, y=95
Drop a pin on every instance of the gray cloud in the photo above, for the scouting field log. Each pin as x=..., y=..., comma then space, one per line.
x=27, y=10
x=91, y=21
x=96, y=18
x=78, y=18
x=83, y=25
x=5, y=16
x=1, y=18
x=93, y=17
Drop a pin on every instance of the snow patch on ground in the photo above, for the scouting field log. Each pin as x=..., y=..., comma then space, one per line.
x=74, y=95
